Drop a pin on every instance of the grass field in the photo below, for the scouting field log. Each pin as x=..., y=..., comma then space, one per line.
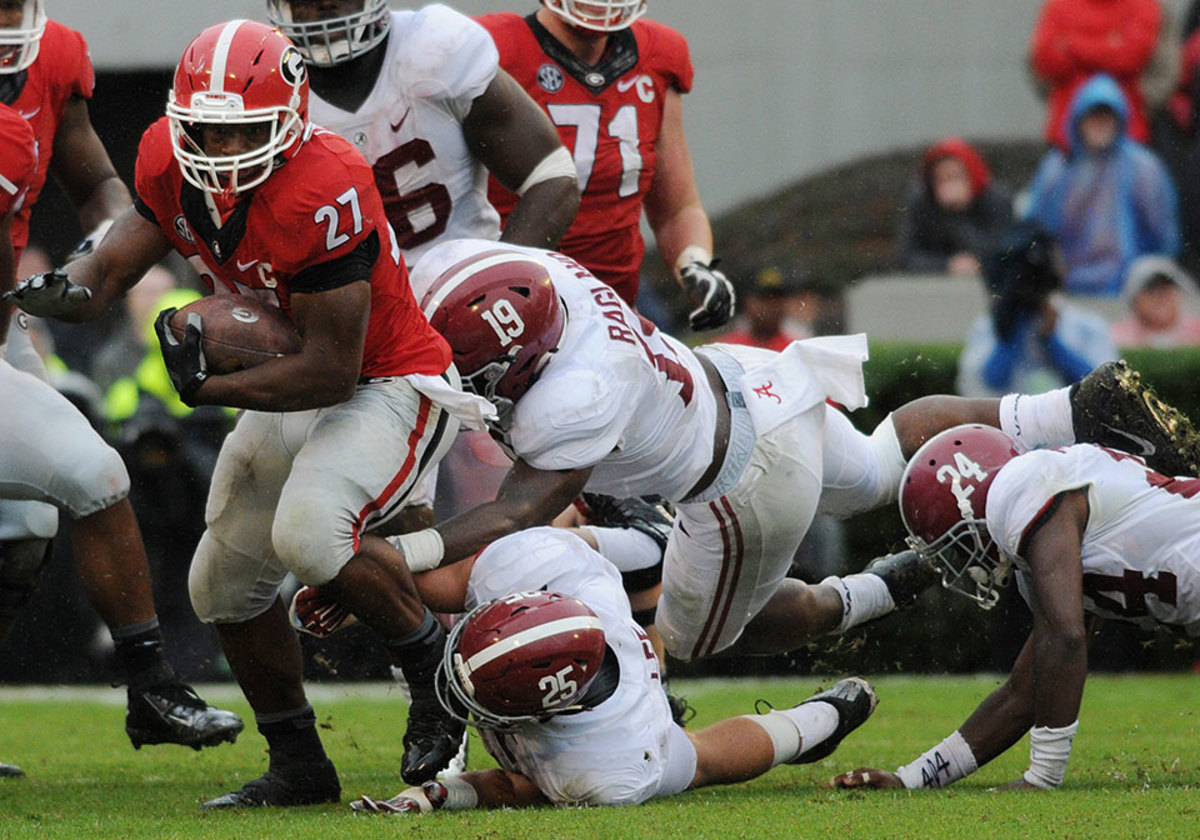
x=1135, y=772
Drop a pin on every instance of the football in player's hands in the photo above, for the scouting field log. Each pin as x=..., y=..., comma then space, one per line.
x=240, y=331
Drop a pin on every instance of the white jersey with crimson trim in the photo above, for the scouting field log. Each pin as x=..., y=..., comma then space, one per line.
x=410, y=128
x=619, y=394
x=1141, y=547
x=616, y=753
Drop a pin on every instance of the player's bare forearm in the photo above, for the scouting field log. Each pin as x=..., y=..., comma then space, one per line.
x=1005, y=715
x=543, y=214
x=501, y=789
x=82, y=168
x=527, y=498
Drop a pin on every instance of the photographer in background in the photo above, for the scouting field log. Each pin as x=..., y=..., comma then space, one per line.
x=1033, y=340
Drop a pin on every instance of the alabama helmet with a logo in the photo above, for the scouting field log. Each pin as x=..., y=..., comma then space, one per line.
x=598, y=15
x=19, y=44
x=332, y=38
x=524, y=657
x=502, y=317
x=239, y=76
x=943, y=502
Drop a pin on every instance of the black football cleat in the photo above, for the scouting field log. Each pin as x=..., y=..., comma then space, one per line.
x=172, y=713
x=10, y=771
x=287, y=785
x=906, y=573
x=854, y=700
x=1111, y=406
x=432, y=739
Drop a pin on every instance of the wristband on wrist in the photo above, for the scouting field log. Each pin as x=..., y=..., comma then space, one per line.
x=945, y=764
x=1049, y=749
x=451, y=795
x=691, y=254
x=423, y=550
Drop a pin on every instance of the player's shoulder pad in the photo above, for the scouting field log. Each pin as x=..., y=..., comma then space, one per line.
x=439, y=48
x=155, y=156
x=665, y=51
x=66, y=57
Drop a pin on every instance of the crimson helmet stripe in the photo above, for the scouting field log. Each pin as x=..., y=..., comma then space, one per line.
x=468, y=269
x=221, y=55
x=571, y=624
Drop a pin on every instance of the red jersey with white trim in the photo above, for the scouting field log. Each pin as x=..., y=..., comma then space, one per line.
x=1141, y=546
x=320, y=206
x=18, y=160
x=62, y=70
x=609, y=116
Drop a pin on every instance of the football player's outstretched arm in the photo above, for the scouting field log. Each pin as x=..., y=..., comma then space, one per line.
x=475, y=789
x=673, y=206
x=528, y=497
x=516, y=141
x=87, y=287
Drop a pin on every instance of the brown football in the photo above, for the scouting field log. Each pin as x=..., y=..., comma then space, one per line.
x=239, y=331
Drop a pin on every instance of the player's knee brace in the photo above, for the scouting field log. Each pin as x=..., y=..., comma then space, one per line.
x=21, y=561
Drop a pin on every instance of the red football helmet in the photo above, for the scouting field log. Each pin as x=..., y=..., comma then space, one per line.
x=241, y=73
x=598, y=15
x=502, y=317
x=524, y=657
x=943, y=502
x=333, y=38
x=19, y=44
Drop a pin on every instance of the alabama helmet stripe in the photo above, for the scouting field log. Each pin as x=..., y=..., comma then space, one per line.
x=470, y=269
x=572, y=624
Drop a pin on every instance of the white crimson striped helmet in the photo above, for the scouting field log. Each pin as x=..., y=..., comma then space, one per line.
x=524, y=657
x=240, y=73
x=19, y=45
x=333, y=39
x=598, y=15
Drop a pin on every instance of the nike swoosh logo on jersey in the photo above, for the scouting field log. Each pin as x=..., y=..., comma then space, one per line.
x=1146, y=447
x=396, y=126
x=245, y=266
x=626, y=84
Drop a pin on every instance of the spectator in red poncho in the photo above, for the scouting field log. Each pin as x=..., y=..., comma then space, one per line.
x=954, y=212
x=1075, y=39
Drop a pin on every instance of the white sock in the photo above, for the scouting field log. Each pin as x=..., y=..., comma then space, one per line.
x=626, y=548
x=795, y=731
x=864, y=597
x=1034, y=420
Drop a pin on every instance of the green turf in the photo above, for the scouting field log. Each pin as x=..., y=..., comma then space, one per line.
x=1135, y=772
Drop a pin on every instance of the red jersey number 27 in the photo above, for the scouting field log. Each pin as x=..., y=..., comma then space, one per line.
x=331, y=216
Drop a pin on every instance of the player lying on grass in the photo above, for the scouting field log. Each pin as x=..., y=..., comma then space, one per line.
x=564, y=687
x=1089, y=531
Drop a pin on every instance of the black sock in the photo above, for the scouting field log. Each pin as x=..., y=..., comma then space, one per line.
x=292, y=736
x=139, y=649
x=418, y=653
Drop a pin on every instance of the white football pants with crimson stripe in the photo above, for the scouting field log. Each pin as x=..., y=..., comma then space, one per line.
x=294, y=492
x=726, y=558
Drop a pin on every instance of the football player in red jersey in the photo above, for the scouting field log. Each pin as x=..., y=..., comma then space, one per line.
x=51, y=459
x=335, y=436
x=613, y=84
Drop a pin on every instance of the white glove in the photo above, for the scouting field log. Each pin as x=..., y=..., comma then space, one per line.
x=49, y=295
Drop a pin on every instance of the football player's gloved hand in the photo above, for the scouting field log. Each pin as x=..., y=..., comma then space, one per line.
x=49, y=295
x=185, y=359
x=89, y=242
x=318, y=614
x=450, y=794
x=711, y=294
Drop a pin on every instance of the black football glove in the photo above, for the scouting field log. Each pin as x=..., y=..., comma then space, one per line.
x=185, y=359
x=711, y=294
x=49, y=295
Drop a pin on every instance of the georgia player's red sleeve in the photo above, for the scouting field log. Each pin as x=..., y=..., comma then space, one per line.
x=18, y=158
x=666, y=52
x=153, y=159
x=72, y=65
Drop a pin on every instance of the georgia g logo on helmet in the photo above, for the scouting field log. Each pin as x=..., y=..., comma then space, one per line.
x=291, y=66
